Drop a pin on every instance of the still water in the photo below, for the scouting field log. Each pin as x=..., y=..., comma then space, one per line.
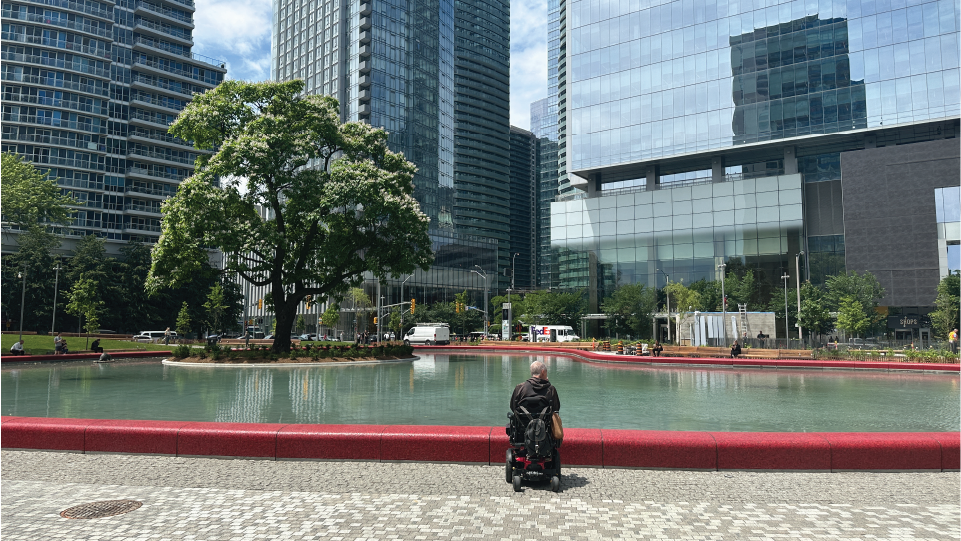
x=475, y=390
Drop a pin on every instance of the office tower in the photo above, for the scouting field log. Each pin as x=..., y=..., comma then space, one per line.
x=428, y=72
x=523, y=207
x=711, y=132
x=89, y=90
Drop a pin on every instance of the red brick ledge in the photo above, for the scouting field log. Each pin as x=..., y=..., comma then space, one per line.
x=815, y=451
x=631, y=359
x=81, y=356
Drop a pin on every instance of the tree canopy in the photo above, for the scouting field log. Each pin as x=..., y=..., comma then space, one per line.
x=296, y=200
x=629, y=310
x=29, y=197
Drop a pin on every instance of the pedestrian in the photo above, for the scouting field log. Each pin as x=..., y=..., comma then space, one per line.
x=167, y=337
x=17, y=348
x=953, y=341
x=59, y=345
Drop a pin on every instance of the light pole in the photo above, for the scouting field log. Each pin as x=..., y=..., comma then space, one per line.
x=510, y=309
x=401, y=337
x=667, y=292
x=483, y=275
x=787, y=336
x=56, y=278
x=797, y=268
x=723, y=268
x=23, y=296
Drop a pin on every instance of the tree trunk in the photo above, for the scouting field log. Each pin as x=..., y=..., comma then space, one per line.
x=284, y=315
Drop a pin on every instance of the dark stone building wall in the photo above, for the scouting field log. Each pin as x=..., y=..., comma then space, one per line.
x=890, y=226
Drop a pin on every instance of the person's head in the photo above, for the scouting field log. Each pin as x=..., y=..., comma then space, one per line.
x=539, y=370
x=21, y=341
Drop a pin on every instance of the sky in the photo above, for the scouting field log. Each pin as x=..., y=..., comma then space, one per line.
x=238, y=32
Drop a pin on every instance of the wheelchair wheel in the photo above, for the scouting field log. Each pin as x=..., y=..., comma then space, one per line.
x=517, y=483
x=556, y=462
x=555, y=484
x=510, y=465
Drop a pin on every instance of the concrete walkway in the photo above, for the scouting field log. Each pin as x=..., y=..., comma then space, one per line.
x=214, y=499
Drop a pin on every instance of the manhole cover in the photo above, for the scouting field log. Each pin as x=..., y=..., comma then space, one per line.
x=101, y=509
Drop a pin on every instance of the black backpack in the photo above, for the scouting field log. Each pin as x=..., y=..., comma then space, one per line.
x=536, y=438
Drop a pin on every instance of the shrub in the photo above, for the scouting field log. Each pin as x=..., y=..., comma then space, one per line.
x=181, y=351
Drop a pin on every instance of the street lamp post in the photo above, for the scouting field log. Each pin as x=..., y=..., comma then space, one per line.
x=23, y=296
x=483, y=275
x=723, y=268
x=401, y=337
x=668, y=293
x=797, y=268
x=56, y=278
x=510, y=309
x=787, y=336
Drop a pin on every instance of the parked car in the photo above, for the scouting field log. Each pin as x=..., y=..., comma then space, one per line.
x=309, y=337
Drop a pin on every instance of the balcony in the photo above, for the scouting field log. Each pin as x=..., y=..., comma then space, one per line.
x=169, y=71
x=142, y=209
x=56, y=141
x=149, y=119
x=80, y=7
x=59, y=104
x=164, y=31
x=165, y=137
x=142, y=80
x=59, y=45
x=62, y=23
x=161, y=11
x=142, y=227
x=49, y=121
x=79, y=67
x=153, y=192
x=143, y=172
x=149, y=102
x=157, y=47
x=159, y=156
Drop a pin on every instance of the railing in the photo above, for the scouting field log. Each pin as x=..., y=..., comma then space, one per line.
x=165, y=29
x=158, y=84
x=51, y=140
x=48, y=121
x=167, y=138
x=55, y=83
x=142, y=208
x=70, y=162
x=188, y=3
x=56, y=63
x=142, y=227
x=75, y=6
x=62, y=104
x=174, y=71
x=147, y=118
x=150, y=191
x=63, y=23
x=166, y=12
x=147, y=42
x=65, y=45
x=147, y=172
x=160, y=156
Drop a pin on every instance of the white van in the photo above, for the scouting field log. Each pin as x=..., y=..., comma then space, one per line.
x=428, y=334
x=154, y=336
x=542, y=333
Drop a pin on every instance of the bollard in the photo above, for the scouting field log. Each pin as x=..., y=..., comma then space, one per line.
x=620, y=348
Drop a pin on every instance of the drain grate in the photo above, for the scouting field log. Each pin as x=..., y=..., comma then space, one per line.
x=101, y=509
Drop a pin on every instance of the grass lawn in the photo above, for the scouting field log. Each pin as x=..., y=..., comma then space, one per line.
x=43, y=345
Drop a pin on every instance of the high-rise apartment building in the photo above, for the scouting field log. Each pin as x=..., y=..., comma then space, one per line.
x=89, y=90
x=523, y=207
x=544, y=127
x=778, y=135
x=433, y=74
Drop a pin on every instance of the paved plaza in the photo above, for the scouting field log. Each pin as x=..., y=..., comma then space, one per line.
x=213, y=499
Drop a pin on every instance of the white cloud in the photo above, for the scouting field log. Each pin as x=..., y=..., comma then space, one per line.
x=528, y=58
x=237, y=31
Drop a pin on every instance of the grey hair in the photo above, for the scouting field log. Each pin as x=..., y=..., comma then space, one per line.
x=537, y=367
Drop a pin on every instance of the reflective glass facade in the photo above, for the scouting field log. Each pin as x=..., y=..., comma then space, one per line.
x=684, y=231
x=650, y=79
x=544, y=127
x=523, y=207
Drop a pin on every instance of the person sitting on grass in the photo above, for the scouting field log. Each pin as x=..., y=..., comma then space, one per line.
x=17, y=348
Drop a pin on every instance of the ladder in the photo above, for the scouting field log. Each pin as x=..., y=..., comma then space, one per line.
x=745, y=329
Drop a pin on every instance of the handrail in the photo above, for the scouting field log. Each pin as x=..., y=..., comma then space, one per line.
x=147, y=42
x=46, y=121
x=146, y=172
x=53, y=140
x=66, y=45
x=142, y=208
x=147, y=81
x=160, y=137
x=73, y=25
x=172, y=31
x=175, y=71
x=49, y=81
x=145, y=117
x=159, y=156
x=75, y=6
x=55, y=63
x=167, y=12
x=61, y=103
x=149, y=191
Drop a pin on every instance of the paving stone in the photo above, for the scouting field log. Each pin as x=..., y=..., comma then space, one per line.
x=216, y=499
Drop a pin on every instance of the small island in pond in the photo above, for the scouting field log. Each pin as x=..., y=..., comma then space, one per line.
x=297, y=354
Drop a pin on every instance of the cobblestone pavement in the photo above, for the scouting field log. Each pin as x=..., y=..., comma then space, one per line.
x=214, y=499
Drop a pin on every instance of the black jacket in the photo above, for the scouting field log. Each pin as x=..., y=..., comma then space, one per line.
x=535, y=387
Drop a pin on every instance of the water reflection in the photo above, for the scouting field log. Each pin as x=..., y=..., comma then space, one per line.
x=474, y=390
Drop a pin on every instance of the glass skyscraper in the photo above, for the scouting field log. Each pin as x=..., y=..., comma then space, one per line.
x=699, y=132
x=89, y=90
x=524, y=207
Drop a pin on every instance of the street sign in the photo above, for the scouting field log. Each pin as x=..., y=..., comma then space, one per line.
x=506, y=306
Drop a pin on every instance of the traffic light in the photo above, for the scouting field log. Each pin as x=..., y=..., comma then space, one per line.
x=457, y=307
x=260, y=304
x=413, y=305
x=375, y=320
x=308, y=299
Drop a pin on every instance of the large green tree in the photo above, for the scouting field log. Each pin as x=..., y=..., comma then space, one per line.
x=297, y=201
x=553, y=308
x=815, y=316
x=29, y=197
x=629, y=310
x=852, y=319
x=85, y=303
x=862, y=289
x=945, y=316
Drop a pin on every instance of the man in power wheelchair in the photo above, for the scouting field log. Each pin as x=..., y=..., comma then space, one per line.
x=534, y=454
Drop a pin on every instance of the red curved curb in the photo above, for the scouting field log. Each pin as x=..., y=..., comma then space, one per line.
x=80, y=356
x=773, y=363
x=822, y=451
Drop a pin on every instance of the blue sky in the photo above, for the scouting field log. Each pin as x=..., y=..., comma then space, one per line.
x=238, y=31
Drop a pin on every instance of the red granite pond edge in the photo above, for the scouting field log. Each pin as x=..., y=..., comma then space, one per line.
x=81, y=356
x=597, y=356
x=640, y=449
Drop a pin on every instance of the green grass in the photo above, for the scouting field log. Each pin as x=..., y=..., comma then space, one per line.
x=43, y=345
